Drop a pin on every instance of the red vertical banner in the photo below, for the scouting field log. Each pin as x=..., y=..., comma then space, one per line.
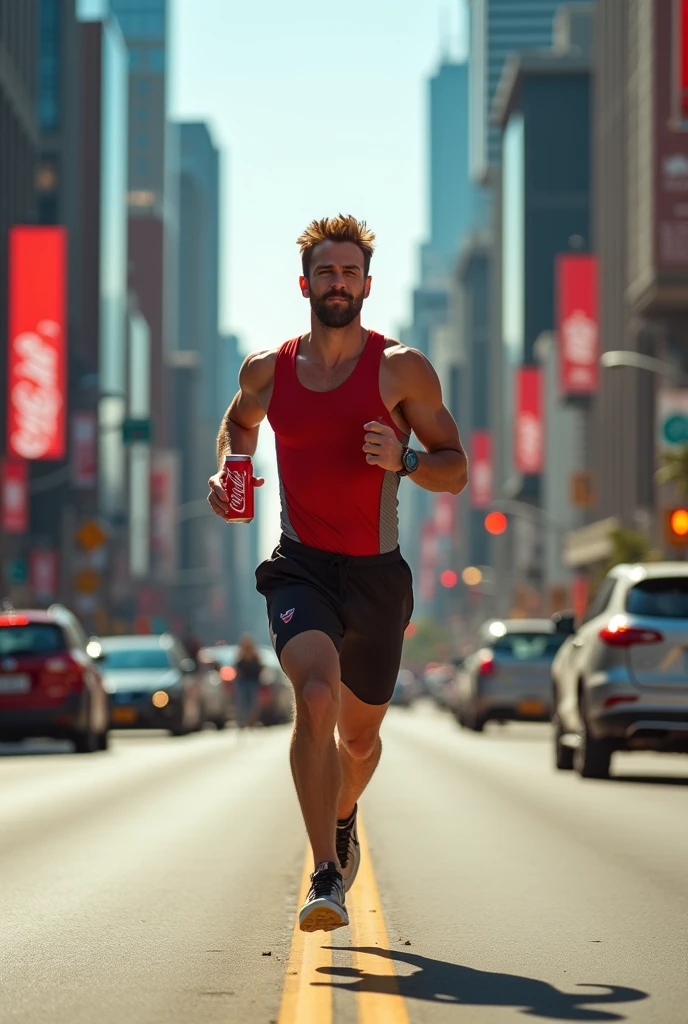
x=84, y=454
x=428, y=560
x=445, y=519
x=43, y=566
x=480, y=476
x=577, y=324
x=529, y=447
x=14, y=497
x=37, y=364
x=682, y=62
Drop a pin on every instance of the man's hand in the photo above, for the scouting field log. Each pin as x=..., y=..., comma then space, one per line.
x=382, y=447
x=217, y=499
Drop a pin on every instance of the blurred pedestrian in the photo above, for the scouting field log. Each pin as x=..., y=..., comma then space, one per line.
x=248, y=668
x=343, y=402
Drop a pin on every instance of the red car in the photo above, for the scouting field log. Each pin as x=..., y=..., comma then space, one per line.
x=49, y=685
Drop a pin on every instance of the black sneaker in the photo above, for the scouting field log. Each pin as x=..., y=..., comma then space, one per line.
x=324, y=908
x=348, y=850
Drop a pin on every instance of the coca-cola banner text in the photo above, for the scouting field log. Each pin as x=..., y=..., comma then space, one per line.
x=529, y=449
x=577, y=324
x=37, y=343
x=14, y=496
x=480, y=475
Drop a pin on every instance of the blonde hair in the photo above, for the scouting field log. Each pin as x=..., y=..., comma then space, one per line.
x=336, y=229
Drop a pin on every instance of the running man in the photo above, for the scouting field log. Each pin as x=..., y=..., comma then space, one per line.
x=342, y=402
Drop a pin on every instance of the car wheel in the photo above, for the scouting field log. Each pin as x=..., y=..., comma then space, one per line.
x=220, y=723
x=103, y=740
x=85, y=742
x=592, y=757
x=474, y=721
x=563, y=755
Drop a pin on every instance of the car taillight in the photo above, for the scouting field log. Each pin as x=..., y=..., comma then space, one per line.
x=619, y=634
x=611, y=702
x=487, y=665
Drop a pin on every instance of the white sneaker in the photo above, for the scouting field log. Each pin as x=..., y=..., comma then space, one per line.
x=324, y=909
x=348, y=849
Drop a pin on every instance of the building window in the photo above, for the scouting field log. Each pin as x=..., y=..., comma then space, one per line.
x=137, y=58
x=49, y=66
x=142, y=25
x=142, y=140
x=142, y=113
x=156, y=59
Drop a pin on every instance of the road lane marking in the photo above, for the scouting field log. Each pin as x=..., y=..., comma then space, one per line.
x=307, y=997
x=367, y=930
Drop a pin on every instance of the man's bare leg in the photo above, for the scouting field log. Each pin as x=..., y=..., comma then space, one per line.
x=360, y=747
x=312, y=664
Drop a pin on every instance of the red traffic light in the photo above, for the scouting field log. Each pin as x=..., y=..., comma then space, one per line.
x=495, y=523
x=679, y=522
x=449, y=578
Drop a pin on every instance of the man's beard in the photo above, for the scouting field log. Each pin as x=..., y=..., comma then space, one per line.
x=340, y=315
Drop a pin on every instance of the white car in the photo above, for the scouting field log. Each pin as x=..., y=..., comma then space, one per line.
x=621, y=680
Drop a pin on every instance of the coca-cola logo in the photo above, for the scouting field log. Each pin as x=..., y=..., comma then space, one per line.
x=35, y=395
x=580, y=339
x=237, y=498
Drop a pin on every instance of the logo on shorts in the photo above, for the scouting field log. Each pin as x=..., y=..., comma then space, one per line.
x=286, y=617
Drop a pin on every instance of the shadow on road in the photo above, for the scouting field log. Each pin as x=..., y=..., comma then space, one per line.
x=442, y=982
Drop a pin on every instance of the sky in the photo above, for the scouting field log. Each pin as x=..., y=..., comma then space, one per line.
x=317, y=108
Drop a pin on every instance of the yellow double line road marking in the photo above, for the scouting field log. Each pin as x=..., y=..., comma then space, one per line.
x=307, y=997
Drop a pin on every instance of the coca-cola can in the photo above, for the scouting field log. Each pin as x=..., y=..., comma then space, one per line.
x=239, y=488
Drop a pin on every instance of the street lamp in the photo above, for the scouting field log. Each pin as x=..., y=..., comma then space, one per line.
x=625, y=357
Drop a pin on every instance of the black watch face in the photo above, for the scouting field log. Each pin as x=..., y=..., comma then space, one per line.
x=410, y=461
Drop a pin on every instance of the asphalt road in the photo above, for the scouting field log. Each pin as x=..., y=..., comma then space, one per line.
x=147, y=885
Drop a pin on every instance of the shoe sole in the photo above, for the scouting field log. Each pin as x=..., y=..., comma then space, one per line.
x=321, y=916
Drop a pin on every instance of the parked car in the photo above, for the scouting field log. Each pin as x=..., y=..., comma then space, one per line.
x=507, y=677
x=621, y=678
x=275, y=693
x=152, y=683
x=437, y=682
x=216, y=692
x=50, y=685
x=405, y=690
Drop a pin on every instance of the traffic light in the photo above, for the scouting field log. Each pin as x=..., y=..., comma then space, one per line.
x=495, y=523
x=676, y=527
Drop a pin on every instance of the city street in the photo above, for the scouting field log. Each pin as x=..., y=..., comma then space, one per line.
x=157, y=884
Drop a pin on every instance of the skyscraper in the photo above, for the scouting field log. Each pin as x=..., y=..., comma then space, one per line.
x=499, y=27
x=144, y=24
x=457, y=206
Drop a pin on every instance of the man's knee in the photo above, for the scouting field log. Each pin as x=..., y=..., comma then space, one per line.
x=361, y=745
x=317, y=705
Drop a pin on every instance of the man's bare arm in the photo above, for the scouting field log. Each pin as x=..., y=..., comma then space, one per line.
x=238, y=432
x=443, y=465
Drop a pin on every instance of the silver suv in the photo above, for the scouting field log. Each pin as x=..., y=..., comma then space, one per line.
x=621, y=680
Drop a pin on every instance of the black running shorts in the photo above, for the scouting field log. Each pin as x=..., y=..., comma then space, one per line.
x=363, y=603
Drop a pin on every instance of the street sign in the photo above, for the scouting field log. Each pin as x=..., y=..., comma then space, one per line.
x=672, y=418
x=16, y=570
x=137, y=431
x=582, y=489
x=87, y=581
x=91, y=535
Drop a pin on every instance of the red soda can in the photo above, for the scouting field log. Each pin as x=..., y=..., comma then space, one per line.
x=239, y=488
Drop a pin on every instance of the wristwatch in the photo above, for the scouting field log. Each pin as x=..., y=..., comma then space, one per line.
x=409, y=462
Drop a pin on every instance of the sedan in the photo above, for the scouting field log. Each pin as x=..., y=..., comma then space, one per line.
x=152, y=683
x=507, y=677
x=50, y=680
x=621, y=679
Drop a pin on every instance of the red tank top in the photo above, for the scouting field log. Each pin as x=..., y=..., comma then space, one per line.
x=332, y=499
